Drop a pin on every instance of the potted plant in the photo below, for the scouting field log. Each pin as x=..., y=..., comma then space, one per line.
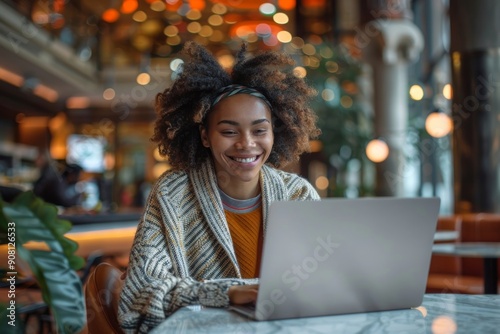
x=28, y=218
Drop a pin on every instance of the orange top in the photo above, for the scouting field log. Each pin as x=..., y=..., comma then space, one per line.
x=246, y=232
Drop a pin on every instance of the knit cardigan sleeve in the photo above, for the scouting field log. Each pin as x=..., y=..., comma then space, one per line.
x=153, y=288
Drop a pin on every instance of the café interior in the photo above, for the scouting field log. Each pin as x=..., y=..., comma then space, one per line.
x=406, y=102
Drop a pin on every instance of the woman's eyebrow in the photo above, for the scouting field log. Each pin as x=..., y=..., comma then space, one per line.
x=257, y=121
x=262, y=120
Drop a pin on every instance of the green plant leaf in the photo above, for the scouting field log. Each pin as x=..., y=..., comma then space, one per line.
x=3, y=223
x=54, y=269
x=40, y=223
x=61, y=289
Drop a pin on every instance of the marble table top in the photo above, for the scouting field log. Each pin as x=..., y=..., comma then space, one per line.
x=439, y=313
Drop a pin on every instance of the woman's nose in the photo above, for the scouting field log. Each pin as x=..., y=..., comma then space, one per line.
x=245, y=141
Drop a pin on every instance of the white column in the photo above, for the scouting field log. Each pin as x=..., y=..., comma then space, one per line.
x=392, y=45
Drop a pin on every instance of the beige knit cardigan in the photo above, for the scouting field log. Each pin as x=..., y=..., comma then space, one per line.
x=183, y=252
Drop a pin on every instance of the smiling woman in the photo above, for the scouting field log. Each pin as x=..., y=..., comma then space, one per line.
x=239, y=133
x=225, y=134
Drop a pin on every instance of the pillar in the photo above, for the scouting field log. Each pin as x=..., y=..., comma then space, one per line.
x=475, y=64
x=394, y=44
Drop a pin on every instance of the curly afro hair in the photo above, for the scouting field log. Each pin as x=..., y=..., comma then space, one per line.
x=182, y=108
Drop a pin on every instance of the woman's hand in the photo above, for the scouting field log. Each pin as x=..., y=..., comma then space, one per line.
x=243, y=294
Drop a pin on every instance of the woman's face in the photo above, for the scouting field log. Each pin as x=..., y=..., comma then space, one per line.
x=240, y=135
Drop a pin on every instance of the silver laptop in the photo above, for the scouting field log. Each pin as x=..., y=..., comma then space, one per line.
x=339, y=256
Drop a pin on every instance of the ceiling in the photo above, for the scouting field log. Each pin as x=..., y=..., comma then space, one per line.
x=158, y=28
x=80, y=49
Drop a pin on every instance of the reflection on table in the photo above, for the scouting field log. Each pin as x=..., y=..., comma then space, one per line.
x=109, y=238
x=104, y=234
x=446, y=235
x=439, y=313
x=489, y=251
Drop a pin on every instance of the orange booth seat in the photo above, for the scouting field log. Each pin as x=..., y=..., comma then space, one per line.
x=455, y=274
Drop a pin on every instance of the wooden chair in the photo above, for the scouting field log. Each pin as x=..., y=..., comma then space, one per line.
x=441, y=264
x=102, y=292
x=444, y=269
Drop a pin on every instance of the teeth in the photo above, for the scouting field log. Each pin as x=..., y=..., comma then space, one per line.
x=245, y=160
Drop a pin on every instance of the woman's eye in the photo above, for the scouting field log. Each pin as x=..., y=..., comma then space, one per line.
x=260, y=131
x=228, y=132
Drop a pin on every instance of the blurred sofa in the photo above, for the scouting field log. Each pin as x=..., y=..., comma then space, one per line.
x=454, y=274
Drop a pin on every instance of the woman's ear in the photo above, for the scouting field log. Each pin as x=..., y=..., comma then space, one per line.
x=204, y=137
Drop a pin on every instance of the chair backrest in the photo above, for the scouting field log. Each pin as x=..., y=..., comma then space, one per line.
x=442, y=264
x=479, y=227
x=102, y=292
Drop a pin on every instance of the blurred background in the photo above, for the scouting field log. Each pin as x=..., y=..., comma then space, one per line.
x=407, y=103
x=78, y=81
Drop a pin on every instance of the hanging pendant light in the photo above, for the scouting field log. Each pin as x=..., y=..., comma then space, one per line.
x=438, y=124
x=377, y=150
